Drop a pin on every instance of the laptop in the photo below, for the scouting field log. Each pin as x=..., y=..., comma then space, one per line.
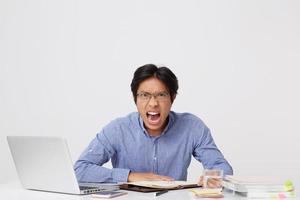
x=44, y=163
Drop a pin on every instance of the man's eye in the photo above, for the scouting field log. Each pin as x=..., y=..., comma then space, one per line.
x=163, y=94
x=145, y=95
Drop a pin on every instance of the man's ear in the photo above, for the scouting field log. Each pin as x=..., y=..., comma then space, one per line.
x=173, y=98
x=134, y=99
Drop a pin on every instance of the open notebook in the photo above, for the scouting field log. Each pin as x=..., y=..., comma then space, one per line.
x=153, y=186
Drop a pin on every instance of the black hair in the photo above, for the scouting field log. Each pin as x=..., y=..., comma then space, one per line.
x=163, y=74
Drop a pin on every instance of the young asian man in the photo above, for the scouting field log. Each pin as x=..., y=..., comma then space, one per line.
x=154, y=143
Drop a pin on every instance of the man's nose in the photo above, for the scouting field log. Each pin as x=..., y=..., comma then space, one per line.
x=153, y=101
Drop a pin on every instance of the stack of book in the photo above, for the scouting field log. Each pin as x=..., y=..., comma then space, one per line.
x=259, y=187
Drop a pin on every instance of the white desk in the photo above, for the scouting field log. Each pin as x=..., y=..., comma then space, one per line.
x=14, y=191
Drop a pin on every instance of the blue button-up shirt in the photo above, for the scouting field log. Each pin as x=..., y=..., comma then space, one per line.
x=126, y=142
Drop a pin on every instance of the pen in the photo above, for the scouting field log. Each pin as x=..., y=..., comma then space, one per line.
x=161, y=192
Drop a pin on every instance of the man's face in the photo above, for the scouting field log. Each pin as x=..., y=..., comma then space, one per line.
x=153, y=109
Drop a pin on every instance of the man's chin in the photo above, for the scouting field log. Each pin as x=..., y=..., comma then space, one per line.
x=152, y=128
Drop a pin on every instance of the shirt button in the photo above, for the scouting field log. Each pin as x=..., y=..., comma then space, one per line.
x=154, y=158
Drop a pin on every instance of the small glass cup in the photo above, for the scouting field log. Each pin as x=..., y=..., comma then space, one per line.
x=212, y=178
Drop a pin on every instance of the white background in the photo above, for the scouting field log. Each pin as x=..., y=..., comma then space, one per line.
x=66, y=68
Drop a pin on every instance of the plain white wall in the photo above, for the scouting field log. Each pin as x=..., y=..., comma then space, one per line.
x=66, y=67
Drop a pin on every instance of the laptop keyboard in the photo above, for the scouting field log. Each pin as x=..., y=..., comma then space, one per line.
x=86, y=187
x=89, y=189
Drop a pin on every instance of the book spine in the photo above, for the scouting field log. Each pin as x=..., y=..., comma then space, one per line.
x=271, y=195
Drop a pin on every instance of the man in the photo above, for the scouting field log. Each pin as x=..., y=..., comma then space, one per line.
x=154, y=143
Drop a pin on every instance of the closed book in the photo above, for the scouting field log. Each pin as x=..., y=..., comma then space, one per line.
x=254, y=180
x=260, y=187
x=256, y=184
x=254, y=188
x=268, y=195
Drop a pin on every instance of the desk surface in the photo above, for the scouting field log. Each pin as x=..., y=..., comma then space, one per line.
x=14, y=191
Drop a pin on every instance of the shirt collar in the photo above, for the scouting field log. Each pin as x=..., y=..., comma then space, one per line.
x=169, y=125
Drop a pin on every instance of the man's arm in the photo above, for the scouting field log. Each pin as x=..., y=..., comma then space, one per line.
x=88, y=168
x=138, y=176
x=209, y=155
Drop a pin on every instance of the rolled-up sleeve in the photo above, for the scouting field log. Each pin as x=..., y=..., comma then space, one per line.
x=88, y=168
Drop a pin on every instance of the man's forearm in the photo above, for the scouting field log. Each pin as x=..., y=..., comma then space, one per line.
x=87, y=172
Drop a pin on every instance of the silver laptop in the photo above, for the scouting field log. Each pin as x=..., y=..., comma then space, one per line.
x=44, y=163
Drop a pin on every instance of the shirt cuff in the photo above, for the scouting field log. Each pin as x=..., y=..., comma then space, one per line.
x=120, y=175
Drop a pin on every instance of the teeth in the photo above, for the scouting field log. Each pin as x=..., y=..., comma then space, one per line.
x=152, y=113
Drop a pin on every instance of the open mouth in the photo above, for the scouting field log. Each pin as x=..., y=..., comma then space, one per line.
x=153, y=117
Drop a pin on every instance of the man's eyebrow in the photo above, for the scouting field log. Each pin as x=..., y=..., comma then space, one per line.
x=143, y=91
x=153, y=92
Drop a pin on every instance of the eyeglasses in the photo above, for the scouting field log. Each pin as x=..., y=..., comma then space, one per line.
x=146, y=96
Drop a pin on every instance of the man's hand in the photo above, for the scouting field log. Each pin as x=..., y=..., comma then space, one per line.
x=211, y=183
x=137, y=176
